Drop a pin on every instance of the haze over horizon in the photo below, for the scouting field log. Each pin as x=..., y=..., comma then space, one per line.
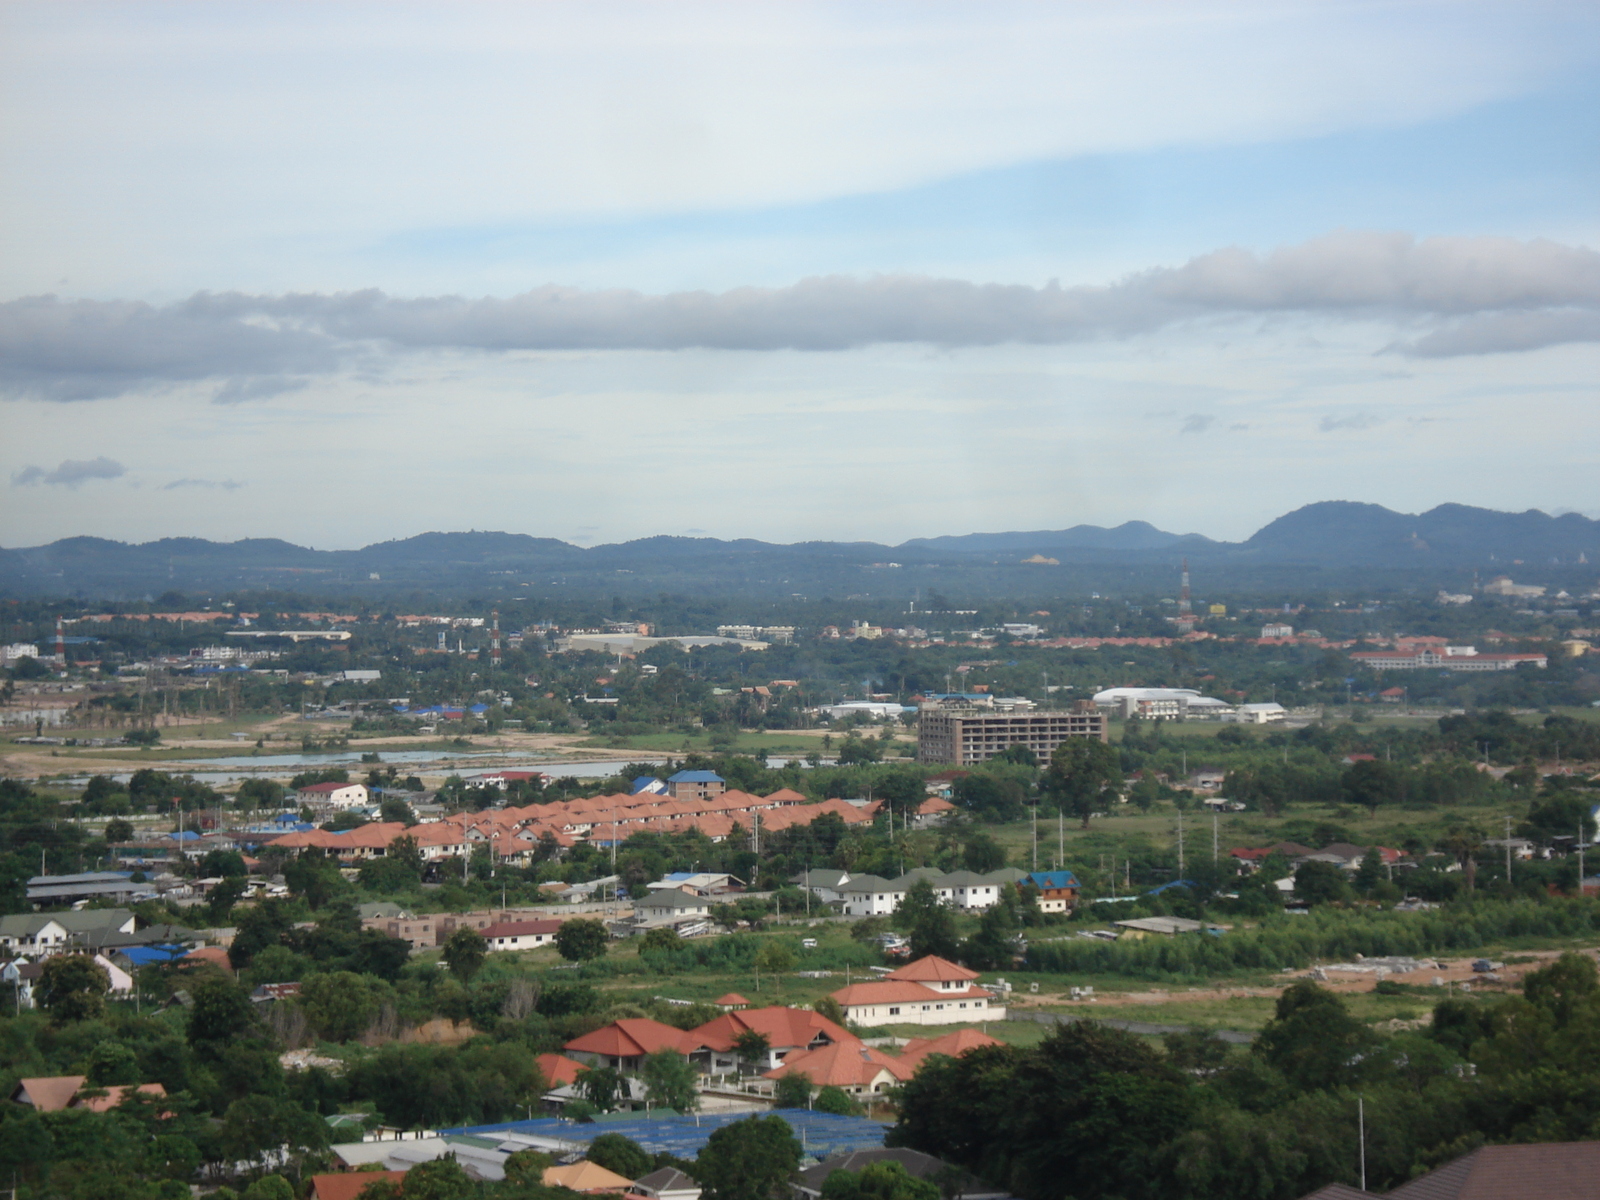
x=344, y=274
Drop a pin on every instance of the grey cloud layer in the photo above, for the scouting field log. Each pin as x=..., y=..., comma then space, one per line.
x=1484, y=295
x=70, y=473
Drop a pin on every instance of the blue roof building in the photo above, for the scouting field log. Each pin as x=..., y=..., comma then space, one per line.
x=695, y=785
x=649, y=784
x=1058, y=890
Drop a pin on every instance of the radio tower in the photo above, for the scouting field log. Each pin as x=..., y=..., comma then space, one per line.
x=1184, y=608
x=494, y=639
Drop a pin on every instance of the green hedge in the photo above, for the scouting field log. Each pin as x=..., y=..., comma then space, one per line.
x=1326, y=935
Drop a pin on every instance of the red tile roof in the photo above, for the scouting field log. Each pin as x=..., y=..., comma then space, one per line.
x=955, y=1044
x=1543, y=1171
x=886, y=991
x=841, y=1066
x=630, y=1038
x=784, y=1027
x=48, y=1093
x=558, y=1069
x=933, y=969
x=347, y=1185
x=115, y=1095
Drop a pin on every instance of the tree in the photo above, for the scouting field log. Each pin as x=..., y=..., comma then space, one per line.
x=257, y=1126
x=118, y=830
x=620, y=1154
x=753, y=1159
x=827, y=1006
x=930, y=923
x=112, y=1063
x=341, y=1004
x=662, y=937
x=994, y=947
x=1085, y=773
x=224, y=895
x=890, y=1180
x=601, y=1086
x=315, y=876
x=259, y=793
x=441, y=1179
x=669, y=1080
x=1371, y=783
x=834, y=1099
x=72, y=987
x=582, y=939
x=527, y=1167
x=268, y=1187
x=222, y=863
x=1370, y=873
x=775, y=958
x=1313, y=1039
x=258, y=927
x=395, y=809
x=221, y=1012
x=793, y=1091
x=982, y=853
x=753, y=1046
x=464, y=952
x=1320, y=882
x=1079, y=1111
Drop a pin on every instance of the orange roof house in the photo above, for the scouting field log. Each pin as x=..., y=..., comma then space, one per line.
x=858, y=1068
x=940, y=974
x=930, y=991
x=585, y=1176
x=731, y=1001
x=953, y=1044
x=49, y=1093
x=115, y=1095
x=558, y=1069
x=786, y=1030
x=347, y=1185
x=626, y=1043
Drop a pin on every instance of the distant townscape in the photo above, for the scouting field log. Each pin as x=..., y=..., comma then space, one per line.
x=908, y=894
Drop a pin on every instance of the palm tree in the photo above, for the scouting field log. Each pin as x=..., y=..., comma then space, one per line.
x=1464, y=841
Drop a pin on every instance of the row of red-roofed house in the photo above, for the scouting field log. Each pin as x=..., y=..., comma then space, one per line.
x=800, y=1040
x=520, y=835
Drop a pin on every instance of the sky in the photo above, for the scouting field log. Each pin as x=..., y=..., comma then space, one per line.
x=341, y=273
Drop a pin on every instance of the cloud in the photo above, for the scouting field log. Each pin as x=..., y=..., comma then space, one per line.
x=1500, y=333
x=70, y=473
x=1501, y=293
x=1356, y=421
x=225, y=484
x=1197, y=423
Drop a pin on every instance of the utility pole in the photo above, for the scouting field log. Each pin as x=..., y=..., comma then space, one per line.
x=1581, y=823
x=1508, y=856
x=1180, y=843
x=1213, y=838
x=1035, y=835
x=1361, y=1122
x=1061, y=837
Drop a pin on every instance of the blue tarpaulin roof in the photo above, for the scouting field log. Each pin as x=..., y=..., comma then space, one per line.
x=1052, y=879
x=695, y=777
x=822, y=1134
x=143, y=956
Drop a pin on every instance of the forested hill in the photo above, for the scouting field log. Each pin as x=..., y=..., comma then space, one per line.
x=1333, y=536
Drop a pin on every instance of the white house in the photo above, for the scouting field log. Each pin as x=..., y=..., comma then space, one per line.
x=870, y=896
x=335, y=795
x=930, y=991
x=521, y=935
x=37, y=934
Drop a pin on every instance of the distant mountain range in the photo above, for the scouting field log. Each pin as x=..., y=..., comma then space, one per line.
x=1332, y=536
